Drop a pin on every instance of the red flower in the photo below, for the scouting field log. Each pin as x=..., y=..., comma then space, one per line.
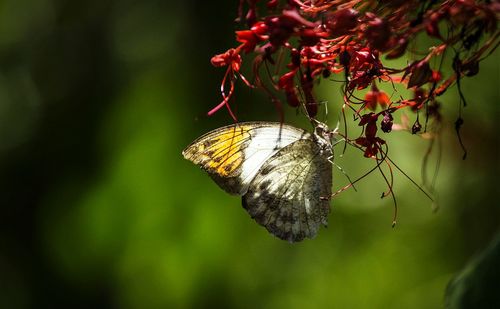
x=370, y=141
x=376, y=97
x=370, y=121
x=364, y=67
x=230, y=58
x=372, y=146
x=297, y=44
x=250, y=38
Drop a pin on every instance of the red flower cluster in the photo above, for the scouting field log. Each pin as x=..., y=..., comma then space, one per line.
x=307, y=41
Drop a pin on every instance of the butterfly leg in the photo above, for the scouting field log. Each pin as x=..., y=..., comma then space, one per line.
x=330, y=159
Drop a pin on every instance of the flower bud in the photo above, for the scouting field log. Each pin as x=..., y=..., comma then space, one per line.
x=342, y=21
x=387, y=122
x=421, y=73
x=378, y=33
x=416, y=127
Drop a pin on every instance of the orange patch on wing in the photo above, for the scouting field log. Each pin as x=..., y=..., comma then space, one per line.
x=226, y=153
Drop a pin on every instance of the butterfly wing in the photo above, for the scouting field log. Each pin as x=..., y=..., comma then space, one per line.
x=232, y=155
x=289, y=196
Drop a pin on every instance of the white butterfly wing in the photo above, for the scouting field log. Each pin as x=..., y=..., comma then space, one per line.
x=290, y=194
x=232, y=155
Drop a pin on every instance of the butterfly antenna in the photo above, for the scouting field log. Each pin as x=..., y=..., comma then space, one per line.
x=345, y=126
x=326, y=111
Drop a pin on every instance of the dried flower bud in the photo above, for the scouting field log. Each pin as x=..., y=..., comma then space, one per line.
x=378, y=33
x=345, y=58
x=421, y=73
x=470, y=68
x=419, y=96
x=295, y=58
x=341, y=22
x=251, y=16
x=399, y=50
x=432, y=27
x=387, y=122
x=272, y=4
x=416, y=127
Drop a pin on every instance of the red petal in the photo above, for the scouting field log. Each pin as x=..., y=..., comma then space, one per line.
x=286, y=80
x=383, y=99
x=371, y=100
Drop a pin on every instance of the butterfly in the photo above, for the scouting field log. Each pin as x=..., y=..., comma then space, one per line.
x=282, y=173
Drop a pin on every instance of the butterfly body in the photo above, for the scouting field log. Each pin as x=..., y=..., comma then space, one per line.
x=284, y=174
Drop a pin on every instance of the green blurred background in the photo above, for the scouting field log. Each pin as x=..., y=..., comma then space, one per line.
x=100, y=210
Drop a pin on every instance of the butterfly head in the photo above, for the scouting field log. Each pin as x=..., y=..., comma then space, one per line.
x=323, y=133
